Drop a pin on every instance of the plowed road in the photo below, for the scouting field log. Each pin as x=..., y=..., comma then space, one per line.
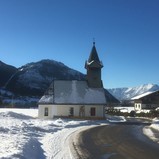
x=116, y=141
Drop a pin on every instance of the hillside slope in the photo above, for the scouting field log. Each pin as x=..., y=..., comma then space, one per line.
x=6, y=71
x=34, y=78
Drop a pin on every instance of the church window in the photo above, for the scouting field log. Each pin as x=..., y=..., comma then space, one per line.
x=46, y=111
x=93, y=111
x=71, y=111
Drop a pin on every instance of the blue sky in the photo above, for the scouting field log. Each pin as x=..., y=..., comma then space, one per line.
x=126, y=34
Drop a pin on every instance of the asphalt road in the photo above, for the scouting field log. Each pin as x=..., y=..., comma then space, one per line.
x=115, y=141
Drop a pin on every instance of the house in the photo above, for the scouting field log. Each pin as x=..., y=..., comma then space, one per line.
x=73, y=98
x=148, y=100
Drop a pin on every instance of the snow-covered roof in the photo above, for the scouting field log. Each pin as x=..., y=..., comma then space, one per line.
x=74, y=92
x=142, y=95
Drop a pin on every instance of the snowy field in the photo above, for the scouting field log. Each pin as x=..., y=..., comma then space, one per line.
x=24, y=136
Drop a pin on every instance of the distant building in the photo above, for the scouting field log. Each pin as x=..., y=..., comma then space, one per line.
x=148, y=100
x=72, y=98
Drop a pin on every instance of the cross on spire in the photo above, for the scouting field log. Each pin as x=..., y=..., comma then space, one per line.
x=93, y=41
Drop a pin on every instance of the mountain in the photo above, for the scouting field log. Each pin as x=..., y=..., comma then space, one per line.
x=29, y=82
x=128, y=93
x=110, y=98
x=6, y=71
x=34, y=78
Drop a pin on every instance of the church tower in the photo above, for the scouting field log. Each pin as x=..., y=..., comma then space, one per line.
x=93, y=66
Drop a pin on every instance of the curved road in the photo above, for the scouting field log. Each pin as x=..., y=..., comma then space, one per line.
x=115, y=141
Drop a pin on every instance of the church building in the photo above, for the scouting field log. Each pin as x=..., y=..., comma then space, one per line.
x=73, y=98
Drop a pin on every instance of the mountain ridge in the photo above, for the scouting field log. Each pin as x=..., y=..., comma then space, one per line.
x=33, y=79
x=127, y=93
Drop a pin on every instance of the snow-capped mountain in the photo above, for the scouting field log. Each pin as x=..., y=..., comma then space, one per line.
x=34, y=78
x=128, y=93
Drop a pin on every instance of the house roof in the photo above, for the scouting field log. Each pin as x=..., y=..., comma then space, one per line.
x=143, y=95
x=73, y=92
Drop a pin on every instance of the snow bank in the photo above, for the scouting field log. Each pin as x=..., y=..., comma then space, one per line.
x=23, y=135
x=155, y=124
x=29, y=112
x=125, y=109
x=111, y=118
x=153, y=130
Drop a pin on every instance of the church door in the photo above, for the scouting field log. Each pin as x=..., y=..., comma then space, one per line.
x=93, y=111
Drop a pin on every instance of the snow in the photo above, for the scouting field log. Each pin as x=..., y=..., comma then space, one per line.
x=74, y=92
x=142, y=95
x=125, y=109
x=129, y=109
x=128, y=93
x=23, y=135
x=29, y=78
x=155, y=124
x=153, y=130
x=115, y=118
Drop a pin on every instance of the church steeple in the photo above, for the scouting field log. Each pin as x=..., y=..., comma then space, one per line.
x=93, y=55
x=93, y=60
x=93, y=66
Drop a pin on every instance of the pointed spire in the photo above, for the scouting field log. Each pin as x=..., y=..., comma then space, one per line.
x=93, y=55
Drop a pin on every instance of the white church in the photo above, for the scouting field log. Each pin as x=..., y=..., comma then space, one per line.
x=77, y=99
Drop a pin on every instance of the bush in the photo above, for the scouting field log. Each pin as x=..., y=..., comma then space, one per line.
x=152, y=114
x=132, y=113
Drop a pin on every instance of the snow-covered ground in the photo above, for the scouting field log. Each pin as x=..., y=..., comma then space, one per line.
x=153, y=130
x=125, y=109
x=23, y=135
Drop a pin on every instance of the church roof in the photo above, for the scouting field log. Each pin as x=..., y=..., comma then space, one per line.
x=73, y=92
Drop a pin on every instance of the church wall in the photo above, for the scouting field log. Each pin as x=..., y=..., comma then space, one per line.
x=66, y=110
x=51, y=111
x=98, y=108
x=57, y=110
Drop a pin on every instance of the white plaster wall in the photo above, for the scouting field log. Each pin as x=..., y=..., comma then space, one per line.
x=41, y=110
x=138, y=106
x=99, y=110
x=64, y=110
